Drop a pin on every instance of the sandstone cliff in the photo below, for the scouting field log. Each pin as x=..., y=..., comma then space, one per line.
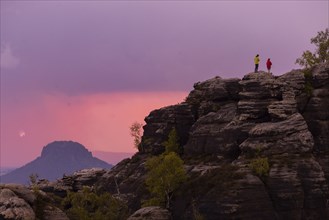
x=224, y=126
x=284, y=119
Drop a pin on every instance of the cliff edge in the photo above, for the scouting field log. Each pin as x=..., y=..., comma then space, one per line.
x=253, y=148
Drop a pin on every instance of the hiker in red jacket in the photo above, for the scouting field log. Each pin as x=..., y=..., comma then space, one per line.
x=269, y=65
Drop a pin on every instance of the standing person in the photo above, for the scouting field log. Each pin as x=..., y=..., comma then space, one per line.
x=268, y=65
x=256, y=60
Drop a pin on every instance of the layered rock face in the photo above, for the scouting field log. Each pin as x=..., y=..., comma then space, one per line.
x=14, y=207
x=151, y=213
x=160, y=122
x=253, y=148
x=283, y=119
x=19, y=202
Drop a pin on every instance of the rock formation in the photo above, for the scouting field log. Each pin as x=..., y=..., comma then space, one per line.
x=253, y=148
x=260, y=116
x=151, y=213
x=14, y=207
x=19, y=202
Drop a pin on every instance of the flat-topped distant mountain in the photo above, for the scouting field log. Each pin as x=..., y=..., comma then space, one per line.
x=57, y=158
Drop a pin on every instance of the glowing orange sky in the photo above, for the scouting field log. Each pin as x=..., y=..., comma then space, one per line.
x=99, y=122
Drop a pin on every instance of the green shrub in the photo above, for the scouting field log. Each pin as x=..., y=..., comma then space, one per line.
x=196, y=213
x=87, y=205
x=40, y=202
x=154, y=202
x=260, y=166
x=39, y=205
x=308, y=87
x=165, y=174
x=172, y=144
x=308, y=74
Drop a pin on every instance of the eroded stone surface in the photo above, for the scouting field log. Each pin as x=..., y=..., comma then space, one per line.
x=13, y=207
x=224, y=126
x=151, y=213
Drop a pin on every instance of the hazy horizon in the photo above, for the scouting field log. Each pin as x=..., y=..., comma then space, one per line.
x=86, y=70
x=108, y=156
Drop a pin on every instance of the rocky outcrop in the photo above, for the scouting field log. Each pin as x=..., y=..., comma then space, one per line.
x=75, y=182
x=254, y=148
x=126, y=181
x=316, y=114
x=208, y=96
x=316, y=111
x=14, y=207
x=54, y=213
x=215, y=133
x=281, y=118
x=290, y=136
x=160, y=122
x=22, y=203
x=151, y=213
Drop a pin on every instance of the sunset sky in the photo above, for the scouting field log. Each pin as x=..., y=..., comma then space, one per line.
x=86, y=70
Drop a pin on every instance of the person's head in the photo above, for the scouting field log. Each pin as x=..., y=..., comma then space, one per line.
x=268, y=59
x=257, y=55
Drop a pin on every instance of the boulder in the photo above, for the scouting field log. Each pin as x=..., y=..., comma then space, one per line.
x=213, y=133
x=54, y=213
x=79, y=179
x=13, y=207
x=21, y=191
x=160, y=122
x=208, y=95
x=151, y=213
x=276, y=138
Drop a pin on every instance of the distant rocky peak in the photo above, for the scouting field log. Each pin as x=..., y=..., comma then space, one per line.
x=65, y=148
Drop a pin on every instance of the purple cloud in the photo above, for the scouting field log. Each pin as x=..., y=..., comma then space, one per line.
x=89, y=47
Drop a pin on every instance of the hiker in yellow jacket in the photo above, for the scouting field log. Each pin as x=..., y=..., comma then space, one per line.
x=256, y=60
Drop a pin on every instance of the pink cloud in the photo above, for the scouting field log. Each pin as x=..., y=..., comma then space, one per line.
x=100, y=122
